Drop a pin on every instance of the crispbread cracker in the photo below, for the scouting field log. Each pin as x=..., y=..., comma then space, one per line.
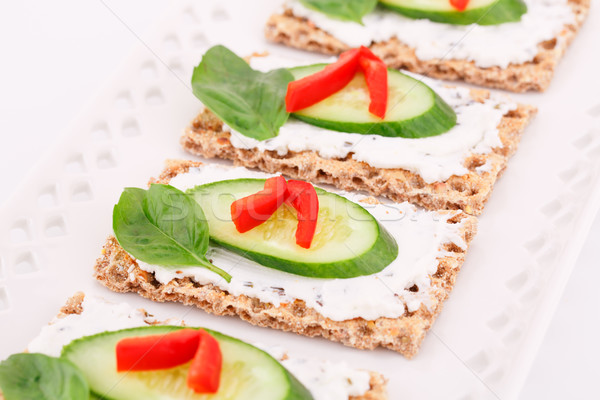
x=298, y=32
x=206, y=137
x=119, y=272
x=377, y=390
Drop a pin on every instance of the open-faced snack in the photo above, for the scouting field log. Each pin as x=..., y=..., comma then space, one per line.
x=344, y=293
x=96, y=349
x=507, y=44
x=436, y=146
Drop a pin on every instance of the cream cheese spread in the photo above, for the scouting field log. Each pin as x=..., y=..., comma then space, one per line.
x=324, y=379
x=328, y=380
x=487, y=46
x=420, y=235
x=434, y=158
x=97, y=316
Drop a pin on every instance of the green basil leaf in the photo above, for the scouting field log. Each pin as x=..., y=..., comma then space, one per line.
x=39, y=377
x=249, y=101
x=345, y=10
x=163, y=226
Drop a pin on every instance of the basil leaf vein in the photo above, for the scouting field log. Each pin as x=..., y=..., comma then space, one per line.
x=163, y=226
x=249, y=101
x=345, y=10
x=40, y=377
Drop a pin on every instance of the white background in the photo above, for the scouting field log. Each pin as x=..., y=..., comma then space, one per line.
x=56, y=55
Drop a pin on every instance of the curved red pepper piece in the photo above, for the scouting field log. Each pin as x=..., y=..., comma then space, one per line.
x=312, y=89
x=460, y=5
x=376, y=75
x=303, y=197
x=204, y=375
x=155, y=352
x=249, y=212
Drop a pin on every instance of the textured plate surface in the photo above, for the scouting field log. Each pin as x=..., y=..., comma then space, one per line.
x=485, y=339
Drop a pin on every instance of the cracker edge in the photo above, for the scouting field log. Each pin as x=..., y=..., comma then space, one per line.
x=206, y=137
x=301, y=33
x=377, y=389
x=119, y=272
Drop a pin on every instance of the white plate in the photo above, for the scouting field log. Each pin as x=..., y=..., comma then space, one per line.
x=486, y=338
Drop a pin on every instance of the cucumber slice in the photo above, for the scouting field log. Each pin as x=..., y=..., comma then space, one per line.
x=414, y=110
x=481, y=12
x=248, y=373
x=348, y=241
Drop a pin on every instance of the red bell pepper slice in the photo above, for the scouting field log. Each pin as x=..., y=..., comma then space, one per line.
x=460, y=5
x=249, y=212
x=155, y=352
x=376, y=75
x=205, y=371
x=303, y=197
x=312, y=89
x=366, y=52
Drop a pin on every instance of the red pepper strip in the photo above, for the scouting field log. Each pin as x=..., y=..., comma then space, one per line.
x=460, y=5
x=149, y=353
x=366, y=52
x=376, y=75
x=303, y=197
x=249, y=212
x=205, y=371
x=316, y=87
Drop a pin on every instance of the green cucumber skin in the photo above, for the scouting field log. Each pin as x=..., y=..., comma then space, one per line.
x=379, y=256
x=438, y=119
x=499, y=12
x=71, y=348
x=383, y=251
x=297, y=390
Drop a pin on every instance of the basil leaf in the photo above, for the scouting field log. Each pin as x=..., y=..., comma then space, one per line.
x=345, y=10
x=249, y=101
x=163, y=226
x=36, y=376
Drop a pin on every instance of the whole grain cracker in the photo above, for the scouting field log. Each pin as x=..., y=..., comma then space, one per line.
x=118, y=271
x=293, y=31
x=377, y=383
x=206, y=137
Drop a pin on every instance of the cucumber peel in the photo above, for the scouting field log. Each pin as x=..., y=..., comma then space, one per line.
x=481, y=12
x=414, y=109
x=348, y=242
x=248, y=373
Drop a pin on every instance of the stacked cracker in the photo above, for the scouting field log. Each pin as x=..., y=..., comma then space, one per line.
x=466, y=194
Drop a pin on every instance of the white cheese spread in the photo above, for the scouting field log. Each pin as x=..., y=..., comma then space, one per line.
x=97, y=316
x=326, y=379
x=420, y=236
x=487, y=46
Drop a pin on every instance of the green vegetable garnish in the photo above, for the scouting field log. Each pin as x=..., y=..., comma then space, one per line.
x=248, y=373
x=414, y=109
x=40, y=377
x=163, y=226
x=345, y=10
x=481, y=12
x=249, y=101
x=349, y=242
